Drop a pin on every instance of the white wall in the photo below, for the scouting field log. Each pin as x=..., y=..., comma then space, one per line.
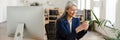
x=118, y=14
x=3, y=10
x=5, y=3
x=55, y=3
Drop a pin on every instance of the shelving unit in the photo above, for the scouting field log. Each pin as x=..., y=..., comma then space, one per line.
x=52, y=15
x=48, y=16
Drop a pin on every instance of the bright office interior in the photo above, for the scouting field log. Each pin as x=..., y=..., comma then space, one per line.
x=103, y=9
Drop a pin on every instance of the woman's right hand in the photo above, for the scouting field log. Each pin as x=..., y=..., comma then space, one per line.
x=83, y=26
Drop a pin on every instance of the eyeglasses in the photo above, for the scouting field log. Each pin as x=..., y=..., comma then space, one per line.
x=73, y=9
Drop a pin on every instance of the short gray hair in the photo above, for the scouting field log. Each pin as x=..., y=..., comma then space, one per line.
x=70, y=3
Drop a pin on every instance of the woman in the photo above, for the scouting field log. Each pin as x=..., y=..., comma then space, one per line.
x=69, y=27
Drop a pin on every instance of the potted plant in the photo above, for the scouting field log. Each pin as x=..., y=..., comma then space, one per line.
x=117, y=34
x=97, y=22
x=101, y=23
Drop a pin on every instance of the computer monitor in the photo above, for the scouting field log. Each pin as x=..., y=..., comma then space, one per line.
x=31, y=16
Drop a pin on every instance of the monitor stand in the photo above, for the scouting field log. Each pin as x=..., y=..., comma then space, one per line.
x=19, y=32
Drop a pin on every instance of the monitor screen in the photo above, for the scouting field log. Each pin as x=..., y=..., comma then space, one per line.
x=31, y=16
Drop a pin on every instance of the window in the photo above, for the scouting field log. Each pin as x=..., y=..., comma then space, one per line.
x=84, y=4
x=110, y=10
x=81, y=4
x=96, y=9
x=88, y=4
x=97, y=12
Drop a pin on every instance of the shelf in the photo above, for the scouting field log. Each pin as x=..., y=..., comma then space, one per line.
x=53, y=15
x=52, y=20
x=46, y=21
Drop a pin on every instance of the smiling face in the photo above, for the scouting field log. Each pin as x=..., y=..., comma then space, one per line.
x=72, y=10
